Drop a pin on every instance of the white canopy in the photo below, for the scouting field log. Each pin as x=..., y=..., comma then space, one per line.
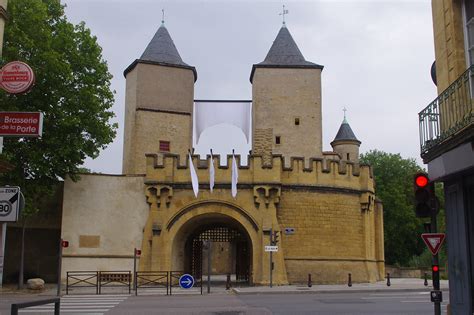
x=211, y=113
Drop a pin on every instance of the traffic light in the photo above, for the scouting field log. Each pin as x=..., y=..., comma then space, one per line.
x=425, y=200
x=435, y=272
x=65, y=244
x=276, y=236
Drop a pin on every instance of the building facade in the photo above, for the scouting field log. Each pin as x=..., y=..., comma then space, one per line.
x=322, y=205
x=447, y=141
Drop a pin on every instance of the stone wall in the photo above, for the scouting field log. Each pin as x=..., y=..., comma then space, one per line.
x=103, y=220
x=448, y=41
x=279, y=97
x=159, y=106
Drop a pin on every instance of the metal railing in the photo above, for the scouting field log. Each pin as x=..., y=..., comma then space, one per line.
x=115, y=279
x=448, y=114
x=82, y=279
x=16, y=306
x=151, y=280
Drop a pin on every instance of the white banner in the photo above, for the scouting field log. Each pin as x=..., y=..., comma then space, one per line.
x=235, y=176
x=211, y=174
x=194, y=178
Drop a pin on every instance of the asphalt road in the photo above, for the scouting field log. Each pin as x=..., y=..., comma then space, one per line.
x=230, y=304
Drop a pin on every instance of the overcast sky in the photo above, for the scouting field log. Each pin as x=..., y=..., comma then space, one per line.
x=376, y=55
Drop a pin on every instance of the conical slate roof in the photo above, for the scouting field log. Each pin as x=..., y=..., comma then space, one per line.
x=284, y=53
x=162, y=51
x=345, y=132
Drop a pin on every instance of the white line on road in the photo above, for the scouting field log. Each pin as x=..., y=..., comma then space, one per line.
x=97, y=296
x=81, y=311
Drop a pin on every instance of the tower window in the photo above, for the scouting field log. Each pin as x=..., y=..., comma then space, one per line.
x=277, y=140
x=164, y=146
x=348, y=156
x=297, y=121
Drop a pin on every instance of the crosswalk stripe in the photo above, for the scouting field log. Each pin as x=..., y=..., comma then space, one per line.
x=74, y=305
x=95, y=295
x=92, y=304
x=81, y=311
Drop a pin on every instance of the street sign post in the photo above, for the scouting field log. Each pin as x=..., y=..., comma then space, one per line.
x=10, y=203
x=271, y=248
x=436, y=296
x=21, y=124
x=433, y=241
x=186, y=281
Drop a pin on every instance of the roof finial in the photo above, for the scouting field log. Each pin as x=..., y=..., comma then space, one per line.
x=163, y=17
x=283, y=14
x=345, y=120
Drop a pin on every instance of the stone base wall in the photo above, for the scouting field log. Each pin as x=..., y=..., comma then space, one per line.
x=331, y=271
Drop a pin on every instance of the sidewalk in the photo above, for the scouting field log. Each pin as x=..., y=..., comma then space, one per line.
x=397, y=285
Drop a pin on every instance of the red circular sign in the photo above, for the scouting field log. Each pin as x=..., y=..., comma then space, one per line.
x=16, y=77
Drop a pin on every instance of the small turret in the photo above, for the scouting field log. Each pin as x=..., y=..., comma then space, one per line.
x=346, y=144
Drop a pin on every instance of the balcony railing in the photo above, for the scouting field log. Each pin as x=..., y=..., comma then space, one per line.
x=449, y=114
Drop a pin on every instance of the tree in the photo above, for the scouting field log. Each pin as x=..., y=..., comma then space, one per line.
x=394, y=186
x=72, y=90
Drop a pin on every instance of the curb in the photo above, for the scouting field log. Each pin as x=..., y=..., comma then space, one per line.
x=238, y=292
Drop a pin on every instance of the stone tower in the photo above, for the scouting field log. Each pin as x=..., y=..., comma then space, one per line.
x=158, y=103
x=286, y=102
x=346, y=144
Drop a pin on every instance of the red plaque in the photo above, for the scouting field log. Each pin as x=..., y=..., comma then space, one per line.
x=16, y=77
x=21, y=124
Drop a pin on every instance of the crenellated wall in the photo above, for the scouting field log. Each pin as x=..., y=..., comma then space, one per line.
x=330, y=207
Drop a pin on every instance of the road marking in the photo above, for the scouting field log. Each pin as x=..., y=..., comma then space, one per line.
x=80, y=311
x=91, y=304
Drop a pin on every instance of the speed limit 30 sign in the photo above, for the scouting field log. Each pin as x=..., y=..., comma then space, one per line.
x=10, y=199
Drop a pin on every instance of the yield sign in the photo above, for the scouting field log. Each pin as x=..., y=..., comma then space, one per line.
x=433, y=241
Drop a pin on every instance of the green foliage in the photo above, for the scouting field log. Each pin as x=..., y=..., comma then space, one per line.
x=394, y=186
x=72, y=90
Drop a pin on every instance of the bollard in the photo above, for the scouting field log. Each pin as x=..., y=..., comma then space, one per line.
x=388, y=279
x=426, y=280
x=310, y=284
x=349, y=283
x=227, y=284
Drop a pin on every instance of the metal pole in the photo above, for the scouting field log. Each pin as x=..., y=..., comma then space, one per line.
x=434, y=229
x=271, y=259
x=22, y=256
x=3, y=235
x=209, y=266
x=135, y=270
x=60, y=258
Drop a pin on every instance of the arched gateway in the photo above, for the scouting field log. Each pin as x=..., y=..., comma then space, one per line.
x=230, y=230
x=230, y=245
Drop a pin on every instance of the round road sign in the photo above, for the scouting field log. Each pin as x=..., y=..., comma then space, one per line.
x=16, y=77
x=186, y=281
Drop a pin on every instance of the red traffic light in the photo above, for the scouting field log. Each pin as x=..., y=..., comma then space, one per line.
x=421, y=180
x=65, y=244
x=138, y=252
x=435, y=268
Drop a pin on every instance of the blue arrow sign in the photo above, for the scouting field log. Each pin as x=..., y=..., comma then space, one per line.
x=186, y=281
